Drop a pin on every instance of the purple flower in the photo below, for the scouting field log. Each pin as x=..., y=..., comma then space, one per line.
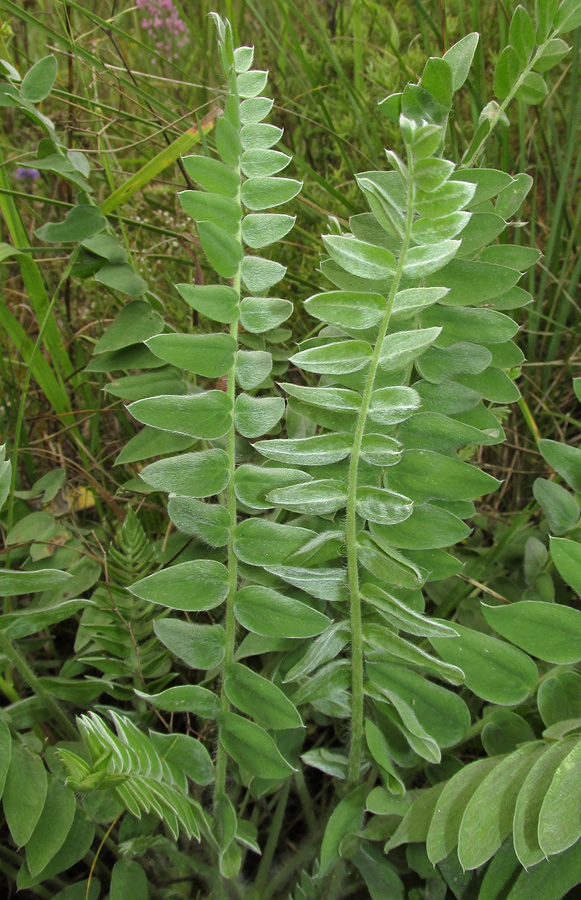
x=163, y=23
x=24, y=174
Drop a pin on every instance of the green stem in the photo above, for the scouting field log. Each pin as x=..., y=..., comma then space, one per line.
x=16, y=658
x=351, y=518
x=473, y=154
x=231, y=506
x=273, y=836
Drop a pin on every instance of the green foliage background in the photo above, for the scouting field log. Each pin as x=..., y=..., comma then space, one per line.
x=80, y=526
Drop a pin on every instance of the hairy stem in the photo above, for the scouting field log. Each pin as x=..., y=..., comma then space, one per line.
x=351, y=519
x=231, y=506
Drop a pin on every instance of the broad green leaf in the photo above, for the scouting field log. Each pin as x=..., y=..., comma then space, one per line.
x=78, y=891
x=481, y=326
x=206, y=415
x=504, y=731
x=212, y=175
x=5, y=753
x=559, y=698
x=380, y=450
x=77, y=843
x=164, y=380
x=385, y=507
x=263, y=163
x=552, y=53
x=427, y=527
x=383, y=643
x=482, y=228
x=83, y=221
x=199, y=646
x=25, y=792
x=386, y=195
x=216, y=301
x=201, y=474
x=264, y=611
x=530, y=800
x=13, y=583
x=413, y=300
x=338, y=358
x=121, y=277
x=345, y=819
x=319, y=450
x=243, y=57
x=511, y=255
x=560, y=816
x=558, y=505
x=459, y=57
x=252, y=748
x=187, y=754
x=437, y=79
x=511, y=197
x=253, y=483
x=258, y=315
x=445, y=825
x=379, y=750
x=423, y=261
x=442, y=363
x=360, y=258
x=488, y=816
x=260, y=137
x=259, y=275
x=128, y=878
x=480, y=281
x=442, y=713
x=551, y=879
x=198, y=585
x=424, y=475
x=255, y=110
x=401, y=615
x=263, y=229
x=546, y=630
x=223, y=251
x=208, y=521
x=33, y=619
x=255, y=416
x=327, y=398
x=433, y=232
x=566, y=555
x=431, y=173
x=567, y=17
x=186, y=698
x=318, y=497
x=52, y=827
x=213, y=209
x=415, y=824
x=449, y=198
x=263, y=192
x=565, y=460
x=259, y=542
x=495, y=671
x=391, y=405
x=260, y=698
x=210, y=355
x=506, y=72
x=521, y=35
x=348, y=309
x=387, y=564
x=250, y=84
x=252, y=367
x=135, y=323
x=38, y=81
x=323, y=583
x=403, y=347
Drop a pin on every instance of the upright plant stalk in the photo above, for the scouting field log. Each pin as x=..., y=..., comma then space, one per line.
x=351, y=516
x=232, y=507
